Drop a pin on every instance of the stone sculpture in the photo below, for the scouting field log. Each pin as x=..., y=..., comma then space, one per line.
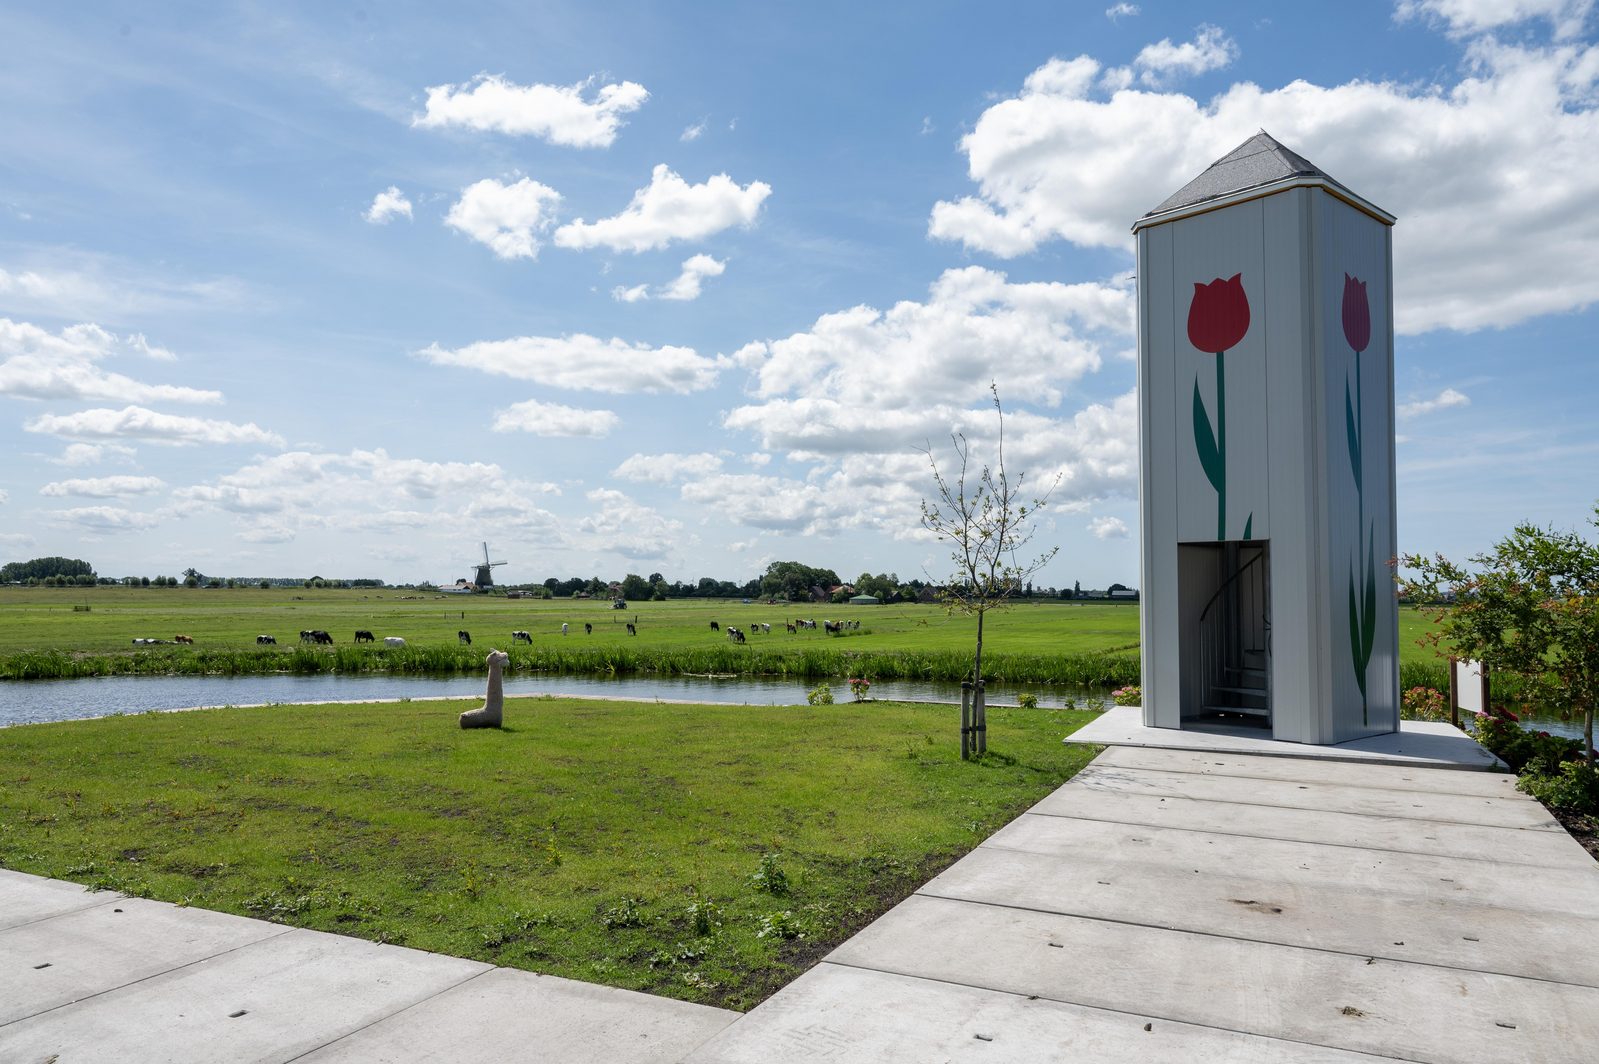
x=489, y=714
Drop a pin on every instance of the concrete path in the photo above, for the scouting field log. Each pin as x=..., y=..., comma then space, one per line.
x=1174, y=905
x=100, y=977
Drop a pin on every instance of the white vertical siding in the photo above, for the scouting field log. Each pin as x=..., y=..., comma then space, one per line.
x=1158, y=494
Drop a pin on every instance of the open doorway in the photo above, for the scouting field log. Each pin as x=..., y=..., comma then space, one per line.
x=1224, y=602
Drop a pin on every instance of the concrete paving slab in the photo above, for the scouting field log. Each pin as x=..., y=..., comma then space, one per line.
x=271, y=1000
x=1381, y=1007
x=846, y=1015
x=25, y=898
x=1424, y=877
x=534, y=1016
x=1511, y=811
x=1269, y=902
x=1535, y=849
x=1417, y=742
x=49, y=963
x=1304, y=770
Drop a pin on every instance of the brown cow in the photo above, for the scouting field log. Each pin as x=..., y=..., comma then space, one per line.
x=189, y=639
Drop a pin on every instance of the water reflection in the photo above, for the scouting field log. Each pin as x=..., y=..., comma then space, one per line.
x=38, y=701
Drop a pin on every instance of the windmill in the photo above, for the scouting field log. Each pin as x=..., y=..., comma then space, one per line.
x=485, y=576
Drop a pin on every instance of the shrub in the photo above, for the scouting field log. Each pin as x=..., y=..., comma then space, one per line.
x=1424, y=703
x=820, y=695
x=1131, y=695
x=1027, y=700
x=858, y=686
x=1574, y=788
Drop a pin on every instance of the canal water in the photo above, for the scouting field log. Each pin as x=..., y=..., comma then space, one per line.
x=39, y=701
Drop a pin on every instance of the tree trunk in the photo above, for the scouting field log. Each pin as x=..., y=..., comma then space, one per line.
x=977, y=665
x=1587, y=733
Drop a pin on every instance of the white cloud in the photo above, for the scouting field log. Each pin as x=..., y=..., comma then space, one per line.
x=551, y=419
x=620, y=525
x=1491, y=177
x=559, y=114
x=669, y=209
x=80, y=285
x=1442, y=401
x=1121, y=10
x=134, y=422
x=103, y=519
x=1157, y=63
x=686, y=286
x=39, y=364
x=1471, y=17
x=388, y=204
x=666, y=468
x=693, y=133
x=137, y=342
x=1108, y=528
x=506, y=218
x=584, y=363
x=104, y=487
x=79, y=454
x=4, y=496
x=875, y=380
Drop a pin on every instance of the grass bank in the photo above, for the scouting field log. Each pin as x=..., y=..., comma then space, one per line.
x=709, y=853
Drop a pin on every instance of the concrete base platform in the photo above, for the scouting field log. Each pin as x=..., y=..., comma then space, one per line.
x=1418, y=742
x=1172, y=905
x=102, y=977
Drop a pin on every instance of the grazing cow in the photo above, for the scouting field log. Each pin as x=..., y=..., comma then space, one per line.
x=265, y=641
x=393, y=641
x=588, y=629
x=364, y=636
x=185, y=639
x=715, y=627
x=832, y=627
x=766, y=628
x=305, y=635
x=791, y=629
x=632, y=629
x=319, y=636
x=463, y=636
x=520, y=637
x=563, y=628
x=734, y=634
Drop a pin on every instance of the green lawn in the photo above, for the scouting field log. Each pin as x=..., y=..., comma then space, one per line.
x=704, y=852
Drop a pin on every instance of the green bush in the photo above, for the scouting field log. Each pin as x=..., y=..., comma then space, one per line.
x=1027, y=700
x=1573, y=789
x=820, y=695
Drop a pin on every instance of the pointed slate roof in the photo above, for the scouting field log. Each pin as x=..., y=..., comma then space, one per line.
x=1256, y=164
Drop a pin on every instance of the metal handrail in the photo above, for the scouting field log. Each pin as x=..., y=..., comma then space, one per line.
x=1260, y=552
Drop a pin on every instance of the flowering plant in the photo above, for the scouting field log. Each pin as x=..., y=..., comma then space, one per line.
x=1131, y=695
x=858, y=686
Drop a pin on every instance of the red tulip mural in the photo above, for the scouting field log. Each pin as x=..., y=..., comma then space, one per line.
x=1362, y=604
x=1218, y=319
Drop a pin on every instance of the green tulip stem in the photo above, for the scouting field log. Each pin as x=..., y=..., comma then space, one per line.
x=1221, y=445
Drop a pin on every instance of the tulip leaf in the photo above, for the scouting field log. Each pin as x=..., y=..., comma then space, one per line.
x=1354, y=437
x=1205, y=443
x=1354, y=635
x=1368, y=634
x=1249, y=526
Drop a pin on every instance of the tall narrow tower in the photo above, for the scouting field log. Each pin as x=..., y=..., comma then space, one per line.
x=1266, y=432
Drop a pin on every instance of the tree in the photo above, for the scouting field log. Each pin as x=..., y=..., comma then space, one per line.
x=989, y=522
x=18, y=572
x=1531, y=609
x=635, y=586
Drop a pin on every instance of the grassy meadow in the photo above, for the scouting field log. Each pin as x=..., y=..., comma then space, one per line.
x=47, y=633
x=704, y=852
x=43, y=636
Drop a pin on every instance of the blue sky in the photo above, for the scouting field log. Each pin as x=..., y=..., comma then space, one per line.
x=684, y=288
